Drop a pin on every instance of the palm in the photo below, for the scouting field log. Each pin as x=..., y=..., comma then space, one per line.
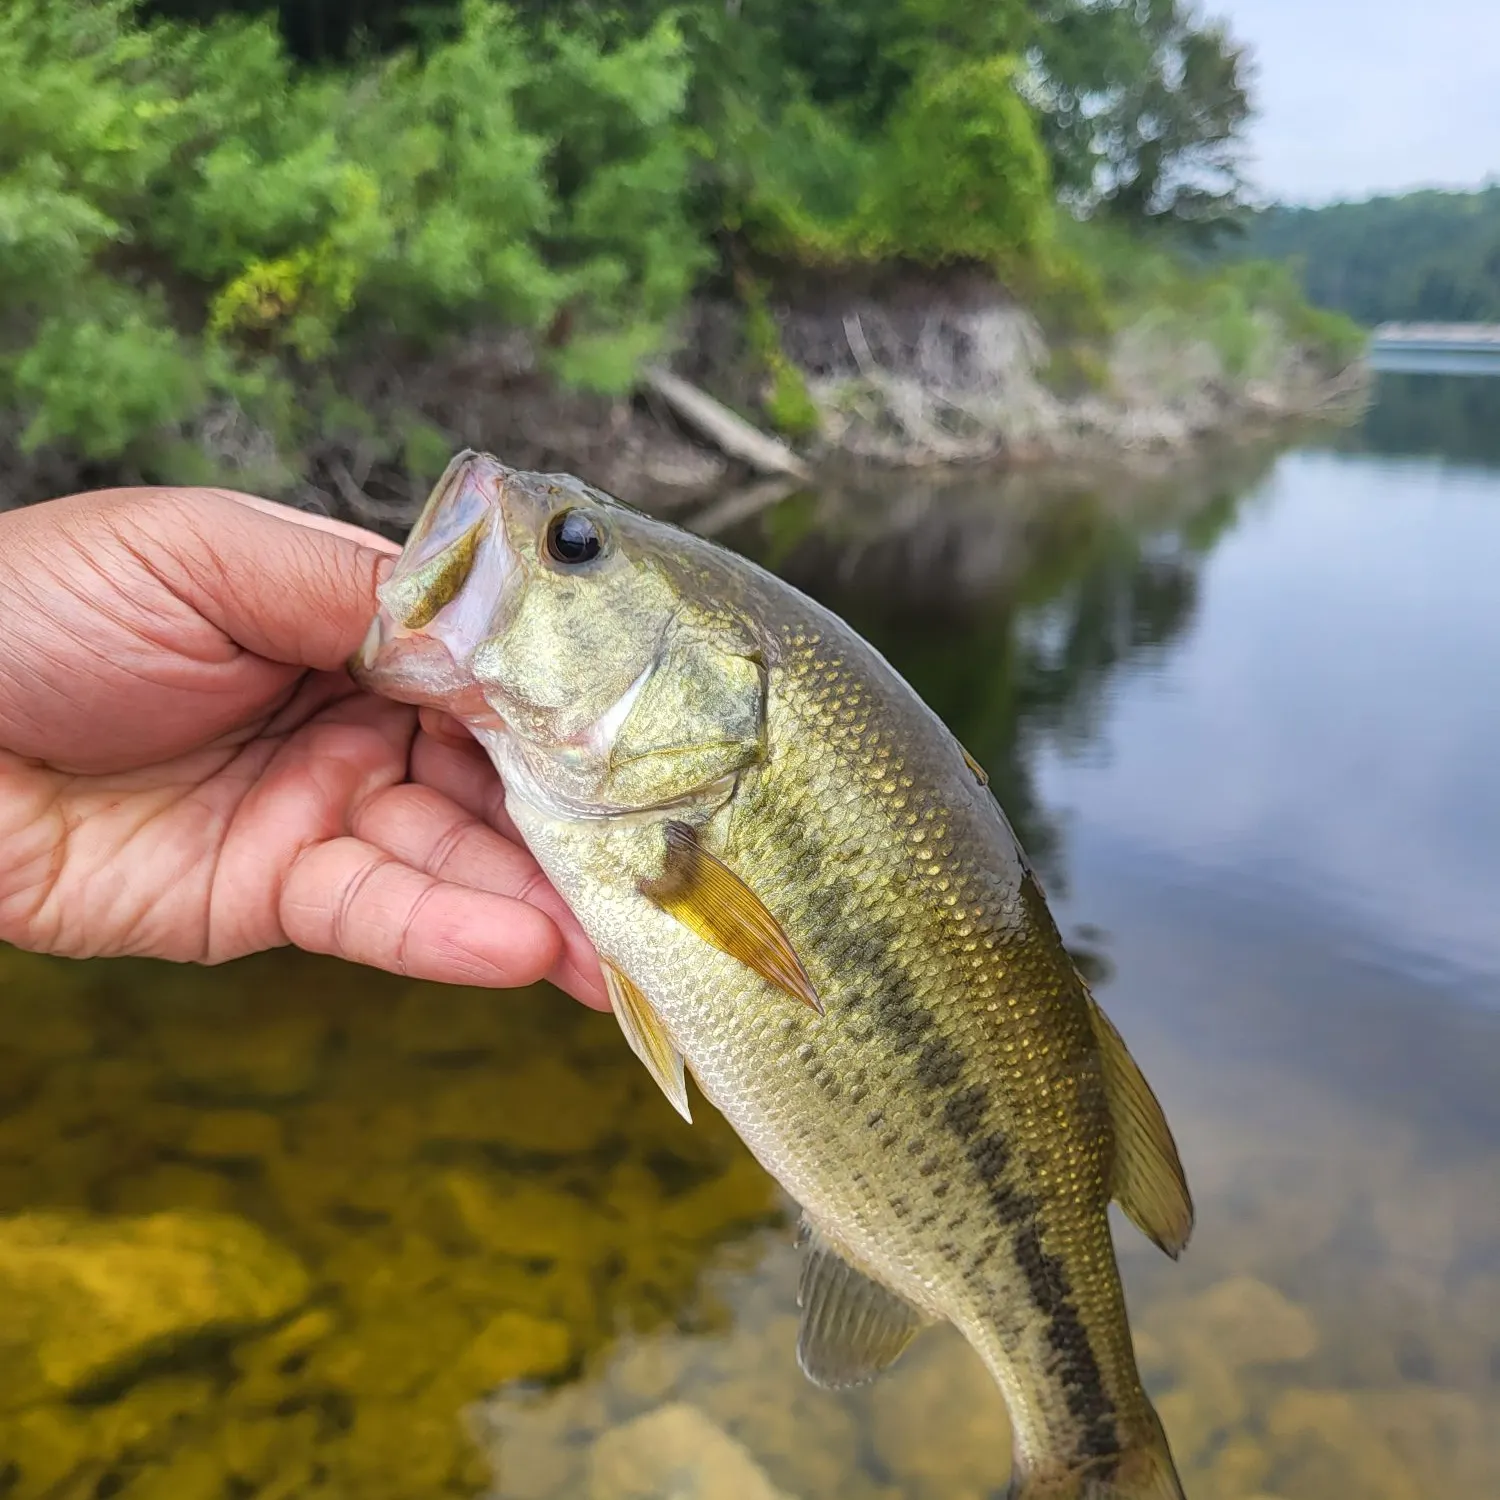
x=175, y=782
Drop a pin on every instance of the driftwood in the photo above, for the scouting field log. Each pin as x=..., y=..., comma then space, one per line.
x=731, y=434
x=740, y=505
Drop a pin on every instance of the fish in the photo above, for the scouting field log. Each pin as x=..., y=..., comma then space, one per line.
x=803, y=892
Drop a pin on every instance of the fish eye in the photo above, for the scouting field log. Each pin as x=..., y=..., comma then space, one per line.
x=573, y=537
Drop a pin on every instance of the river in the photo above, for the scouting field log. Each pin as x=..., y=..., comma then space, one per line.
x=1246, y=721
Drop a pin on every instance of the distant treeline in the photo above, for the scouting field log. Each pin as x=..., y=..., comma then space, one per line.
x=1421, y=257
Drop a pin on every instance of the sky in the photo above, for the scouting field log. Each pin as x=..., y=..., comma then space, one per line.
x=1356, y=97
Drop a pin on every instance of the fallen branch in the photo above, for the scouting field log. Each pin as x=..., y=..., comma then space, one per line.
x=740, y=505
x=731, y=434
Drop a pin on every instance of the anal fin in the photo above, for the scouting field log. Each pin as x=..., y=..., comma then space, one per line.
x=852, y=1327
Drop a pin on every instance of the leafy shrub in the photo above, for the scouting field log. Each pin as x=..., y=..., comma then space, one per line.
x=178, y=204
x=199, y=233
x=1235, y=306
x=965, y=175
x=958, y=173
x=787, y=402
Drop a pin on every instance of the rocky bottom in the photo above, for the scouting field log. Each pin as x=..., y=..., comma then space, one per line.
x=291, y=1228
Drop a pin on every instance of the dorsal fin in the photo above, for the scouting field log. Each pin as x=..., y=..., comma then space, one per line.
x=852, y=1327
x=1148, y=1180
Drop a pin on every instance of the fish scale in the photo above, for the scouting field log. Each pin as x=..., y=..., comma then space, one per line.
x=915, y=1059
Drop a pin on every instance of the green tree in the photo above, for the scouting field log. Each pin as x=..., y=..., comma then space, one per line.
x=187, y=217
x=993, y=198
x=1142, y=108
x=1427, y=256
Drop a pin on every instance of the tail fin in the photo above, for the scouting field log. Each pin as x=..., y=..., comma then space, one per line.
x=1142, y=1473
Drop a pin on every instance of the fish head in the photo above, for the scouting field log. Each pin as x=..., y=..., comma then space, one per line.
x=569, y=631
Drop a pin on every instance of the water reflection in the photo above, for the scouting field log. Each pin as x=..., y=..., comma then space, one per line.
x=1451, y=417
x=1243, y=718
x=1012, y=604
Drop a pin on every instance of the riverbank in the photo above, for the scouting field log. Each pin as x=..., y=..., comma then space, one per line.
x=961, y=379
x=1111, y=353
x=951, y=375
x=312, y=267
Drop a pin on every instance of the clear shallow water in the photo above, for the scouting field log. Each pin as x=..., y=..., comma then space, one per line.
x=1245, y=721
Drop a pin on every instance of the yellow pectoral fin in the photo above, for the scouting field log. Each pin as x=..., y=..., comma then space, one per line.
x=1148, y=1181
x=707, y=897
x=647, y=1037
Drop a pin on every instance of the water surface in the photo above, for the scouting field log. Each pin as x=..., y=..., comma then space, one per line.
x=1245, y=720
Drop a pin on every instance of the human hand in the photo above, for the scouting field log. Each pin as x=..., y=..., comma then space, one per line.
x=187, y=772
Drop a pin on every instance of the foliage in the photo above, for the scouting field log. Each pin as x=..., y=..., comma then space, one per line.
x=817, y=191
x=1139, y=102
x=787, y=402
x=1142, y=108
x=1237, y=306
x=993, y=198
x=178, y=203
x=208, y=216
x=1428, y=256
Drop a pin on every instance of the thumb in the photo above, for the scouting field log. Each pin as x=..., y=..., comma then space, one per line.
x=288, y=586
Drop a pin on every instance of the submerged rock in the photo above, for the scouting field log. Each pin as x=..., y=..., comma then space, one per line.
x=941, y=1387
x=675, y=1453
x=1249, y=1323
x=69, y=1451
x=1386, y=1444
x=1202, y=1352
x=233, y=1137
x=405, y=1451
x=751, y=1386
x=267, y=1366
x=647, y=1371
x=547, y=1108
x=523, y=1218
x=88, y=1299
x=512, y=1346
x=539, y=1446
x=1325, y=1446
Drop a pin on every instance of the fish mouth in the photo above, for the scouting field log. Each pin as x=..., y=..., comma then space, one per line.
x=456, y=575
x=406, y=666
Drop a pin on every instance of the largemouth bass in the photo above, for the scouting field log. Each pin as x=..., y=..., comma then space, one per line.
x=801, y=889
